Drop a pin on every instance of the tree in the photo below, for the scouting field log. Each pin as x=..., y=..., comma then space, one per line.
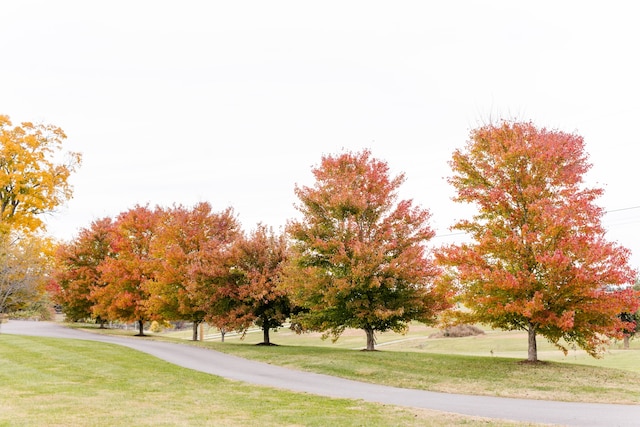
x=538, y=259
x=182, y=238
x=24, y=271
x=124, y=296
x=632, y=319
x=77, y=270
x=360, y=258
x=212, y=281
x=630, y=332
x=258, y=298
x=32, y=182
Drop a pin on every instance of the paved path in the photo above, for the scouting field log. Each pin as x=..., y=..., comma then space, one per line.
x=232, y=367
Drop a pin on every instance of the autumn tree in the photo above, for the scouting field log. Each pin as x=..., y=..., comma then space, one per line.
x=632, y=320
x=183, y=237
x=259, y=261
x=630, y=332
x=33, y=180
x=124, y=295
x=211, y=281
x=77, y=272
x=537, y=259
x=359, y=255
x=24, y=270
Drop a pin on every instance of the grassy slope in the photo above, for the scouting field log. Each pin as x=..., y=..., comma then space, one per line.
x=456, y=373
x=488, y=364
x=53, y=382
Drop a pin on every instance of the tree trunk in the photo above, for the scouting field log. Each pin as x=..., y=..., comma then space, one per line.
x=626, y=341
x=533, y=345
x=194, y=335
x=265, y=334
x=140, y=328
x=266, y=325
x=222, y=332
x=371, y=338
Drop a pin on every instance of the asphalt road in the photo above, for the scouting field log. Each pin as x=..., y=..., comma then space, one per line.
x=232, y=367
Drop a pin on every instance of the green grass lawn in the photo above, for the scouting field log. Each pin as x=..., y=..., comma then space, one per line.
x=496, y=376
x=457, y=365
x=508, y=344
x=54, y=382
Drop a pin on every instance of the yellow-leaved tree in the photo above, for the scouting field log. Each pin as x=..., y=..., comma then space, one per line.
x=34, y=173
x=25, y=265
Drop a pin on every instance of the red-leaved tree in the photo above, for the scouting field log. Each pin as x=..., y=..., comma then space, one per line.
x=210, y=282
x=183, y=238
x=259, y=261
x=125, y=294
x=76, y=271
x=538, y=259
x=359, y=254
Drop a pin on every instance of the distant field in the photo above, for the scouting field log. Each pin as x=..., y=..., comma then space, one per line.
x=493, y=344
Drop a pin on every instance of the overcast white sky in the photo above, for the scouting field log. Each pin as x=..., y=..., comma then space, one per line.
x=233, y=102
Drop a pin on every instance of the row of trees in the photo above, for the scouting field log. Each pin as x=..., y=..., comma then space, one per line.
x=356, y=259
x=174, y=264
x=537, y=258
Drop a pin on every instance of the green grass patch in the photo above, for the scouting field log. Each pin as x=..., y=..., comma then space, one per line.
x=55, y=382
x=487, y=364
x=494, y=376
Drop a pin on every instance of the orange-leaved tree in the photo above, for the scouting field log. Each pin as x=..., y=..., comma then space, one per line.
x=259, y=261
x=359, y=255
x=209, y=280
x=183, y=238
x=77, y=270
x=125, y=275
x=538, y=259
x=32, y=179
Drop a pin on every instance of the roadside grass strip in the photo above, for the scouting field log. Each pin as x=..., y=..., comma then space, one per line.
x=417, y=361
x=492, y=376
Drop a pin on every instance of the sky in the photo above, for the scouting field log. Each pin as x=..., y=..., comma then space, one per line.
x=233, y=103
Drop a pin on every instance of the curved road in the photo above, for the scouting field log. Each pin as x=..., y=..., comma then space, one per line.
x=232, y=367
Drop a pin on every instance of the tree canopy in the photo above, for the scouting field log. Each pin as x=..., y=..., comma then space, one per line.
x=77, y=272
x=258, y=268
x=25, y=265
x=538, y=259
x=32, y=179
x=185, y=240
x=129, y=270
x=359, y=255
x=34, y=175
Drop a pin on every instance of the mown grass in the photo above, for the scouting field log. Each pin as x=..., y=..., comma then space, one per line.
x=495, y=376
x=453, y=364
x=55, y=382
x=510, y=344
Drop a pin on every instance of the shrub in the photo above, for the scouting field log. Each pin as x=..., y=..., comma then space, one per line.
x=458, y=331
x=157, y=327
